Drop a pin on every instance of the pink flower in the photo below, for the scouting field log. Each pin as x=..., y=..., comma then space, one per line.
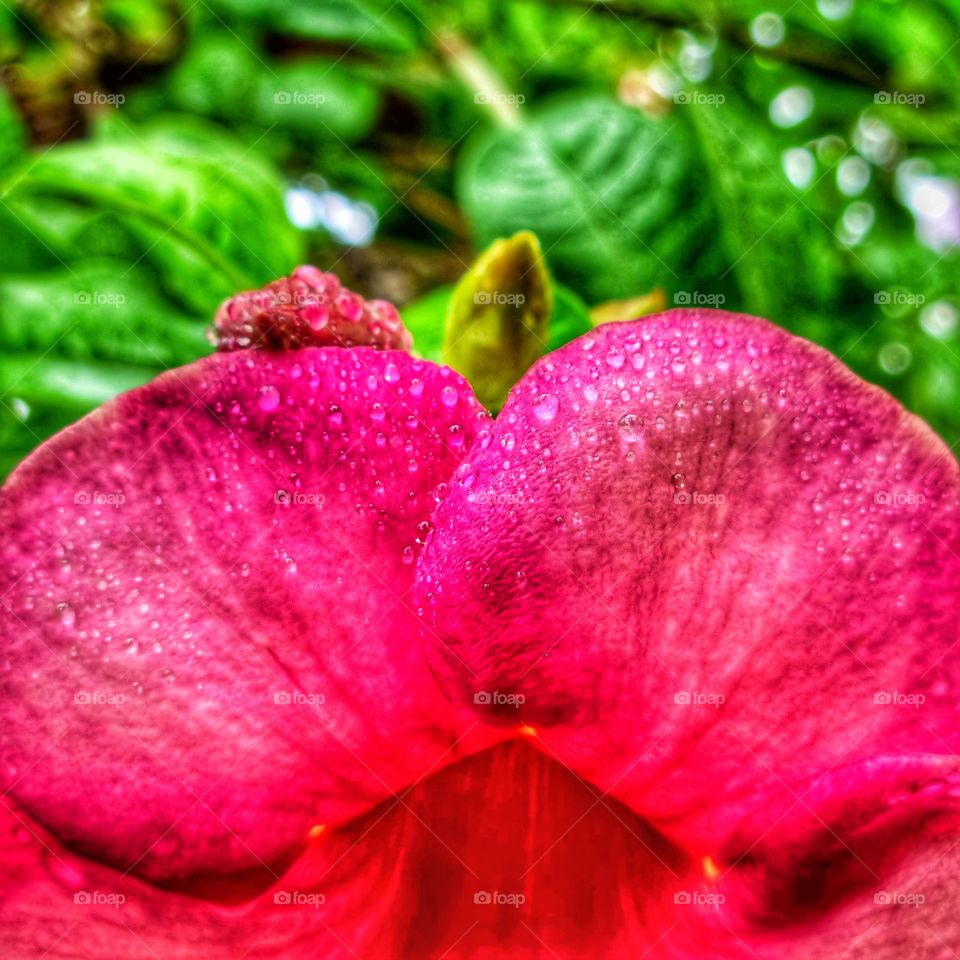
x=305, y=657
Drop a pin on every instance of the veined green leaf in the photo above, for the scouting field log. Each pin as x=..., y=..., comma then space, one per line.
x=619, y=201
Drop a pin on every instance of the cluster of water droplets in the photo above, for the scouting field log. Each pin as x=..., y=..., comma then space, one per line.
x=755, y=415
x=308, y=308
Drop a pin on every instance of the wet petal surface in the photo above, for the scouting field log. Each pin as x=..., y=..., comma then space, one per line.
x=711, y=560
x=208, y=644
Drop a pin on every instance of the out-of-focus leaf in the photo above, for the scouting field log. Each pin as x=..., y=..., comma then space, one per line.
x=782, y=255
x=619, y=200
x=425, y=318
x=139, y=235
x=73, y=338
x=317, y=99
x=209, y=220
x=223, y=76
x=97, y=309
x=216, y=76
x=12, y=134
x=375, y=24
x=570, y=318
x=147, y=30
x=41, y=394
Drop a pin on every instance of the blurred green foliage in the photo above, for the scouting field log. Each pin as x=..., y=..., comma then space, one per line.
x=157, y=156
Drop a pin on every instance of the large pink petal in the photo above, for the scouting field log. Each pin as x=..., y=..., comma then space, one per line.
x=207, y=639
x=712, y=560
x=504, y=854
x=858, y=863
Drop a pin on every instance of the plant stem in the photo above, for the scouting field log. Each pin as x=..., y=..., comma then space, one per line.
x=479, y=77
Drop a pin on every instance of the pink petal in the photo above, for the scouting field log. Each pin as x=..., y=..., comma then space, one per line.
x=307, y=309
x=207, y=639
x=504, y=854
x=712, y=560
x=859, y=863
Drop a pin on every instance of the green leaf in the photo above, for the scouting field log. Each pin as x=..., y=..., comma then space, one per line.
x=117, y=253
x=781, y=254
x=13, y=136
x=97, y=309
x=425, y=318
x=318, y=99
x=206, y=216
x=375, y=24
x=73, y=338
x=617, y=199
x=615, y=311
x=569, y=320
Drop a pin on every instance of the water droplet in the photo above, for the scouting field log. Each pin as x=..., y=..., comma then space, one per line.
x=335, y=417
x=615, y=359
x=545, y=407
x=269, y=398
x=629, y=427
x=68, y=616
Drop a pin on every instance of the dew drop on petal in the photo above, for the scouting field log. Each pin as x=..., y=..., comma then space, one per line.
x=545, y=407
x=629, y=427
x=269, y=398
x=67, y=615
